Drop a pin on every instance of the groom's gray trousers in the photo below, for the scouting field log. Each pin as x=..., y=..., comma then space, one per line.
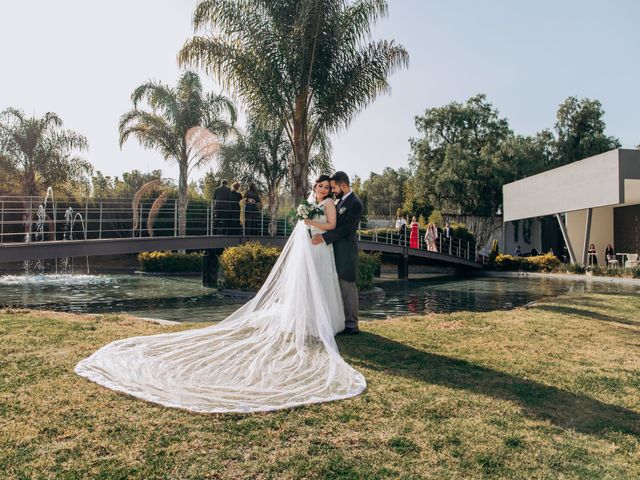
x=351, y=302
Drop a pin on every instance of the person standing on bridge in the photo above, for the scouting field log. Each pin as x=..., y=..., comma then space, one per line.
x=251, y=209
x=415, y=233
x=235, y=197
x=221, y=197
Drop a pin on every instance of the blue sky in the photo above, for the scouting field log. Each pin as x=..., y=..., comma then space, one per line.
x=82, y=59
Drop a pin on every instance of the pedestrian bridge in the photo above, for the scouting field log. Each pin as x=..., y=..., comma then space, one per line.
x=32, y=231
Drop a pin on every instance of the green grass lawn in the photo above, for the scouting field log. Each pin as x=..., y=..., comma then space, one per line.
x=552, y=391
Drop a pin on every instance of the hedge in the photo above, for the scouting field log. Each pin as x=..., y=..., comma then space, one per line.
x=541, y=263
x=170, y=262
x=368, y=264
x=247, y=266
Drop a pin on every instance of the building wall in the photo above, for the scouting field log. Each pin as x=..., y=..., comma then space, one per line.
x=594, y=181
x=627, y=229
x=601, y=231
x=509, y=243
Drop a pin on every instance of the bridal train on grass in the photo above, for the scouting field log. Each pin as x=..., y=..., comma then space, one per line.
x=277, y=351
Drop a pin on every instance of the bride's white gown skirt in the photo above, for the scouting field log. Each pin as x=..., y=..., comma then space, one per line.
x=277, y=351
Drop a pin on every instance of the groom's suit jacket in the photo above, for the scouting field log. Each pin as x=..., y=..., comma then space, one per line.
x=345, y=238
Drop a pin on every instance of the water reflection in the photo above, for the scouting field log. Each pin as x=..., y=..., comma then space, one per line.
x=184, y=298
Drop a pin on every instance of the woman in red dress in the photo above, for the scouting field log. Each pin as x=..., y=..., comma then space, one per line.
x=413, y=236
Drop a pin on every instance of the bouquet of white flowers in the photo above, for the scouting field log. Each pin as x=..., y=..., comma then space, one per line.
x=308, y=210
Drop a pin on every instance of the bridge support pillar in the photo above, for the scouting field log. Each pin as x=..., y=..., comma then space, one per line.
x=210, y=268
x=403, y=267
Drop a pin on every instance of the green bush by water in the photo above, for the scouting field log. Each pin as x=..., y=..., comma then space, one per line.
x=168, y=262
x=368, y=264
x=247, y=266
x=539, y=263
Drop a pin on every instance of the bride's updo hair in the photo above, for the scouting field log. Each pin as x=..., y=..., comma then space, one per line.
x=320, y=179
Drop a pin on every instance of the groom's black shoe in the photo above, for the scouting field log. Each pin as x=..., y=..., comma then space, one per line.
x=349, y=331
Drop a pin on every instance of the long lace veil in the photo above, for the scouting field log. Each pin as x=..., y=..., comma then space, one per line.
x=277, y=351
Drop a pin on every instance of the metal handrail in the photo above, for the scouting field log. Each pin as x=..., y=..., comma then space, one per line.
x=103, y=219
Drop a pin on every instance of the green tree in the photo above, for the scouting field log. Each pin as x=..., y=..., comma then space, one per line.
x=105, y=186
x=40, y=153
x=456, y=159
x=308, y=62
x=262, y=156
x=580, y=131
x=208, y=183
x=358, y=188
x=184, y=124
x=385, y=192
x=416, y=201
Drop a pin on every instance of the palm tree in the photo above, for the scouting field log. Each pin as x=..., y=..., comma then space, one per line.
x=184, y=123
x=40, y=153
x=309, y=62
x=263, y=155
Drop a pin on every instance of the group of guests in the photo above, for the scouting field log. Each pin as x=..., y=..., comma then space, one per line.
x=592, y=255
x=227, y=209
x=431, y=236
x=609, y=255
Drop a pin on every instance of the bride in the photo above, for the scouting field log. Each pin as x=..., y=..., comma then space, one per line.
x=277, y=351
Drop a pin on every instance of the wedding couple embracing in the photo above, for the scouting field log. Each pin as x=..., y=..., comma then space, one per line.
x=278, y=350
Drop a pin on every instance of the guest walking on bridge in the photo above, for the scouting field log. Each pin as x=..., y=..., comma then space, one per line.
x=415, y=233
x=430, y=237
x=401, y=228
x=235, y=197
x=221, y=197
x=251, y=209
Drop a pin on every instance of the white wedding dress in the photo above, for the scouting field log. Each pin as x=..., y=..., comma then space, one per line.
x=277, y=351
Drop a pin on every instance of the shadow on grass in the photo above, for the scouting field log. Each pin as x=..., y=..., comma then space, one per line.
x=584, y=313
x=539, y=401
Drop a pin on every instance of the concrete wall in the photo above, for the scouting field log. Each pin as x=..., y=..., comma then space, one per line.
x=601, y=231
x=592, y=182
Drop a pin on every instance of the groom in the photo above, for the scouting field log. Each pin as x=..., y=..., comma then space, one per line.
x=345, y=247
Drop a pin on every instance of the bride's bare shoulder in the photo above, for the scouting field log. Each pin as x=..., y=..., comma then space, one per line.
x=328, y=204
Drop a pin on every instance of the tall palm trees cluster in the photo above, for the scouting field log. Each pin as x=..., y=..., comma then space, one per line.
x=302, y=69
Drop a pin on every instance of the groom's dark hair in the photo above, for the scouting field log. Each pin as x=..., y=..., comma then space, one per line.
x=340, y=177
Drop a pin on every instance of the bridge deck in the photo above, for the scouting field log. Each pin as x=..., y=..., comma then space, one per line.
x=17, y=252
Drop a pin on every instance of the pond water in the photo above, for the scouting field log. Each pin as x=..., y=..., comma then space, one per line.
x=185, y=299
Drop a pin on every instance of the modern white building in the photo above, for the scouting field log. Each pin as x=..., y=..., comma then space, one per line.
x=591, y=201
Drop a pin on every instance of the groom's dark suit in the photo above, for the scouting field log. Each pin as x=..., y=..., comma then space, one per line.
x=344, y=239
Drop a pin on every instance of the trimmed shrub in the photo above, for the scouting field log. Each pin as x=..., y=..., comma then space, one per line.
x=540, y=263
x=543, y=263
x=168, y=262
x=368, y=264
x=247, y=266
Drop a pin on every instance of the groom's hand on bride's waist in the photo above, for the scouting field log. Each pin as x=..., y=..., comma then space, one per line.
x=317, y=239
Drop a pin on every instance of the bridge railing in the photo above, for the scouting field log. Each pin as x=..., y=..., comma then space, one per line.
x=31, y=219
x=445, y=245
